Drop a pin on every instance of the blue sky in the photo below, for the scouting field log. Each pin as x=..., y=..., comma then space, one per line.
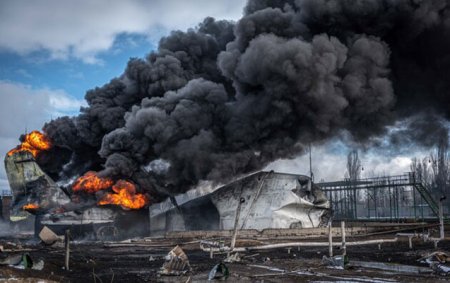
x=73, y=75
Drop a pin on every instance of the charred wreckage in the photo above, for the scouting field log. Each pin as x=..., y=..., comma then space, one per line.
x=261, y=200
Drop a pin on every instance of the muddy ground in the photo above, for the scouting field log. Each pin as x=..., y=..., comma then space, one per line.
x=140, y=261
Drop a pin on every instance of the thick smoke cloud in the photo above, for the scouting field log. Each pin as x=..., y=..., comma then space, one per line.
x=228, y=98
x=180, y=58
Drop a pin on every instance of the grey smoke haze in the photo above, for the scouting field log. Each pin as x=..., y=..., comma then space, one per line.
x=229, y=98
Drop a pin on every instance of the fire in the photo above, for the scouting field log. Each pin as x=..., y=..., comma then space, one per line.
x=125, y=195
x=30, y=206
x=91, y=183
x=34, y=143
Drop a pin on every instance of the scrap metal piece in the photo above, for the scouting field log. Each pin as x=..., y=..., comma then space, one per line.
x=440, y=269
x=216, y=246
x=219, y=271
x=176, y=263
x=235, y=257
x=438, y=256
x=48, y=236
x=39, y=265
x=11, y=260
x=338, y=261
x=438, y=262
x=19, y=261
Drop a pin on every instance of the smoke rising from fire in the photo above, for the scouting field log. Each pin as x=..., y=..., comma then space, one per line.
x=228, y=98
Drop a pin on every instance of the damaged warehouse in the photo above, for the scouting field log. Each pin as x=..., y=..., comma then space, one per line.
x=264, y=200
x=35, y=193
x=269, y=200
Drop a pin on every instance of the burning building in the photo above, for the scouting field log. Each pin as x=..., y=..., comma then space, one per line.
x=264, y=200
x=269, y=200
x=33, y=190
x=35, y=193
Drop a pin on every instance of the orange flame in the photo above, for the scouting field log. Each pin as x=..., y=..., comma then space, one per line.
x=91, y=183
x=125, y=195
x=34, y=143
x=30, y=206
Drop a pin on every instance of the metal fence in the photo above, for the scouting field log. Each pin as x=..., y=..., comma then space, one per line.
x=5, y=193
x=388, y=198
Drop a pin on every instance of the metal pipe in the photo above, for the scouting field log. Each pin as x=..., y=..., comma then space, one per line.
x=67, y=246
x=441, y=221
x=330, y=239
x=300, y=244
x=236, y=221
x=344, y=248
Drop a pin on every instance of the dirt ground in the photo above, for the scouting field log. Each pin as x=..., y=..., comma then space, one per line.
x=140, y=261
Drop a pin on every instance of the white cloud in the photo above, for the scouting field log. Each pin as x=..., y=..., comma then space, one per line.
x=380, y=166
x=83, y=28
x=62, y=102
x=25, y=108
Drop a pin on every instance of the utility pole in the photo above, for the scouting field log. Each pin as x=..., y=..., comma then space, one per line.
x=310, y=164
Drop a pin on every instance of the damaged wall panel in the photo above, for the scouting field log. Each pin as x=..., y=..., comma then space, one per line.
x=30, y=185
x=271, y=200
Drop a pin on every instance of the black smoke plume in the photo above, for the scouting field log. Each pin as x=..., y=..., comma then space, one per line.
x=228, y=98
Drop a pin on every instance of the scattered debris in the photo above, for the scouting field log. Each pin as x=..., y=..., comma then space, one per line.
x=438, y=256
x=92, y=259
x=48, y=236
x=22, y=261
x=39, y=265
x=397, y=268
x=11, y=260
x=235, y=257
x=271, y=268
x=339, y=261
x=439, y=262
x=16, y=246
x=215, y=246
x=440, y=269
x=219, y=271
x=176, y=263
x=250, y=256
